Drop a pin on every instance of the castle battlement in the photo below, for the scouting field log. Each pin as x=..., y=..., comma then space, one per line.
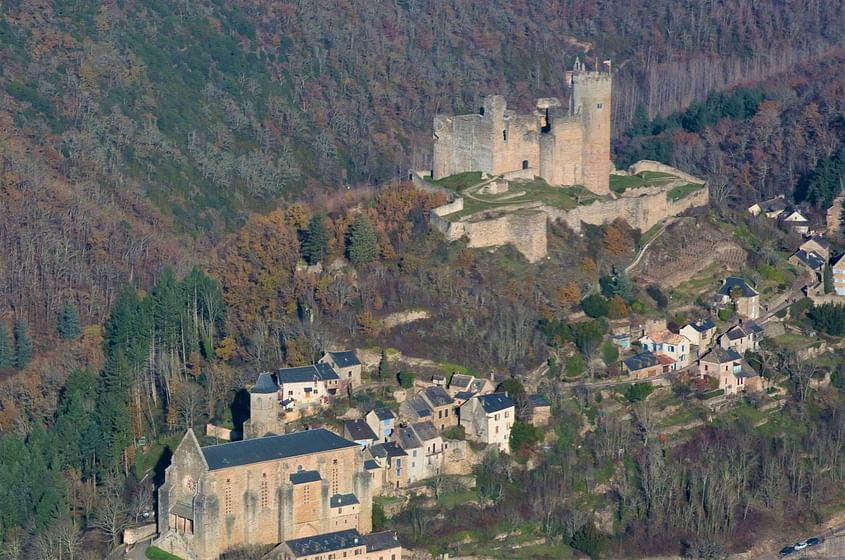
x=563, y=147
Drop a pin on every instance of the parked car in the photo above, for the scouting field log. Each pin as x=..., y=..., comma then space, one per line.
x=814, y=541
x=800, y=545
x=787, y=550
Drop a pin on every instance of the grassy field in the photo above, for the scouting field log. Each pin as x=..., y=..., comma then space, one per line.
x=704, y=281
x=679, y=192
x=794, y=341
x=531, y=191
x=620, y=183
x=154, y=553
x=459, y=181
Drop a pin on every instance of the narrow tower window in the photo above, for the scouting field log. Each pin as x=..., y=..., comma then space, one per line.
x=265, y=493
x=505, y=135
x=227, y=496
x=524, y=166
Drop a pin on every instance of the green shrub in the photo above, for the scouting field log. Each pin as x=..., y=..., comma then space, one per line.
x=523, y=435
x=379, y=517
x=725, y=314
x=406, y=379
x=455, y=432
x=638, y=392
x=595, y=306
x=589, y=540
x=574, y=366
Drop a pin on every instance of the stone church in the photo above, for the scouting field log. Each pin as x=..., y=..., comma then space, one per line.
x=563, y=146
x=261, y=491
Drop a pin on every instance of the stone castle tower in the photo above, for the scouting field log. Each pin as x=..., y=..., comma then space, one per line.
x=263, y=408
x=564, y=147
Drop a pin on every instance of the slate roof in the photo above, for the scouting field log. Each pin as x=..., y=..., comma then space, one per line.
x=703, y=325
x=438, y=396
x=303, y=477
x=268, y=448
x=425, y=431
x=538, y=400
x=384, y=413
x=746, y=370
x=721, y=355
x=464, y=395
x=477, y=385
x=419, y=406
x=358, y=430
x=389, y=449
x=811, y=260
x=494, y=402
x=461, y=381
x=319, y=372
x=265, y=384
x=773, y=205
x=641, y=361
x=370, y=465
x=345, y=359
x=340, y=500
x=822, y=242
x=327, y=542
x=746, y=329
x=731, y=281
x=407, y=439
x=381, y=541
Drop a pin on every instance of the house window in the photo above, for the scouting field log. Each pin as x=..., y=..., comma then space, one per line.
x=599, y=105
x=507, y=412
x=496, y=417
x=265, y=494
x=227, y=496
x=349, y=374
x=497, y=429
x=525, y=164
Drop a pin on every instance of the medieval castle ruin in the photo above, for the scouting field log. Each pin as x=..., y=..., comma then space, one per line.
x=566, y=149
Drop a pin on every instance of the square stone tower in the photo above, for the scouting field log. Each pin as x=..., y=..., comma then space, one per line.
x=591, y=101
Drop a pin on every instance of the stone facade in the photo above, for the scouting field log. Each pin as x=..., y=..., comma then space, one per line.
x=564, y=147
x=261, y=491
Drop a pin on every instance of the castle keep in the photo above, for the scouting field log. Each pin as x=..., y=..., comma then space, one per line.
x=562, y=146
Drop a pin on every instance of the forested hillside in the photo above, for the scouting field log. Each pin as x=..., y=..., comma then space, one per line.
x=158, y=121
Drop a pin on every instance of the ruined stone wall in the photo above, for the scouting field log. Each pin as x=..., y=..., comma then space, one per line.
x=561, y=151
x=525, y=229
x=641, y=212
x=650, y=165
x=516, y=146
x=462, y=143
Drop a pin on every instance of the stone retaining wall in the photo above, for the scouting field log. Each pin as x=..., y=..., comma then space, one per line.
x=524, y=225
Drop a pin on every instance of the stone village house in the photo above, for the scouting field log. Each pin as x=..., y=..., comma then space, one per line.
x=488, y=419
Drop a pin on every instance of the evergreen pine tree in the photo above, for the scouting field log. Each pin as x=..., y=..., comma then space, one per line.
x=382, y=365
x=363, y=245
x=68, y=325
x=316, y=243
x=23, y=344
x=7, y=353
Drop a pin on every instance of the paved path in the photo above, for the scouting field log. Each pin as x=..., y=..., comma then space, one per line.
x=645, y=247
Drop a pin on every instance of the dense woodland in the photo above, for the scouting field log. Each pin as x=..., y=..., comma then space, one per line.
x=173, y=173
